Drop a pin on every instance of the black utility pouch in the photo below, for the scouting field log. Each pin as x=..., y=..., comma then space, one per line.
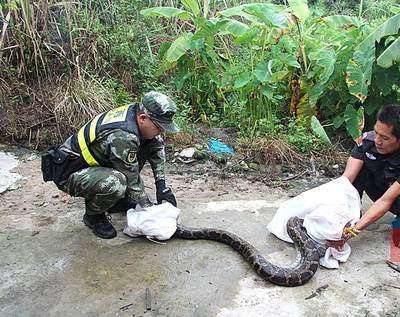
x=63, y=166
x=58, y=165
x=47, y=165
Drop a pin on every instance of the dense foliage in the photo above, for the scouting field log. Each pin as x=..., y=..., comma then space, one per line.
x=282, y=68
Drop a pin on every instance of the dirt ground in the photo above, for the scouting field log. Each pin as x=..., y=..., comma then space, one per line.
x=52, y=265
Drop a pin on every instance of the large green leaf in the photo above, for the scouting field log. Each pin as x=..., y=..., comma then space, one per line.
x=299, y=9
x=338, y=121
x=233, y=27
x=247, y=37
x=263, y=71
x=192, y=5
x=179, y=47
x=197, y=44
x=385, y=78
x=389, y=27
x=390, y=55
x=289, y=60
x=163, y=49
x=238, y=11
x=354, y=121
x=205, y=29
x=278, y=76
x=323, y=63
x=166, y=12
x=180, y=81
x=242, y=80
x=342, y=21
x=164, y=67
x=268, y=14
x=358, y=73
x=319, y=130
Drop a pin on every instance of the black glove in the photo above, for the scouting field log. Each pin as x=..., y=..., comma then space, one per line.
x=164, y=193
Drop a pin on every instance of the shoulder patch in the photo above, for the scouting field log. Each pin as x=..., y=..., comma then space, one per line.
x=131, y=157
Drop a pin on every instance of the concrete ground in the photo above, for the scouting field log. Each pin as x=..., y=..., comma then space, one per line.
x=52, y=265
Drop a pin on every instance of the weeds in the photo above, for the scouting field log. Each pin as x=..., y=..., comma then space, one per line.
x=249, y=67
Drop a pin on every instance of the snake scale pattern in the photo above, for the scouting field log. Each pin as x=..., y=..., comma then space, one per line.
x=296, y=274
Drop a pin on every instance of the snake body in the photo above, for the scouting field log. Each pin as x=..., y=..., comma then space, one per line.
x=297, y=274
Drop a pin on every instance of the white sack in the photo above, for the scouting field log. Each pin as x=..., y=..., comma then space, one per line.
x=326, y=210
x=155, y=222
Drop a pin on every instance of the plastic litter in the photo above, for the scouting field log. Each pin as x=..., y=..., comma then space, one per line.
x=218, y=147
x=188, y=152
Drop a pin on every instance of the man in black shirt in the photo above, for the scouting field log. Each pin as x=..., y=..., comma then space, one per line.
x=374, y=167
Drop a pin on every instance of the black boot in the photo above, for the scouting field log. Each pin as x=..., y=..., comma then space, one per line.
x=122, y=205
x=100, y=225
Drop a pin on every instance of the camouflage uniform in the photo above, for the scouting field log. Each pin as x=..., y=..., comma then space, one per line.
x=122, y=154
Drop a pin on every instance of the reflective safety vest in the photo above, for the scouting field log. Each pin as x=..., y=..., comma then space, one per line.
x=123, y=118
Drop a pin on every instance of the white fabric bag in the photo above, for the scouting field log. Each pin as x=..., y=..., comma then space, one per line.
x=326, y=210
x=155, y=222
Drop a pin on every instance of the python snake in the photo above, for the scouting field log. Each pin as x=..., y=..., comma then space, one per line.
x=296, y=274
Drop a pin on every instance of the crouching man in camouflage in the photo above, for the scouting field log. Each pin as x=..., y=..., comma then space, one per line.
x=102, y=161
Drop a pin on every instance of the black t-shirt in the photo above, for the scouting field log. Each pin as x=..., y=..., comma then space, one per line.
x=385, y=169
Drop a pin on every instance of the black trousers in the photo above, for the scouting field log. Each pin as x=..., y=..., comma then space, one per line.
x=365, y=183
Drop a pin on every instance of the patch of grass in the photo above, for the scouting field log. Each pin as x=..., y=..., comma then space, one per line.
x=269, y=150
x=38, y=116
x=301, y=137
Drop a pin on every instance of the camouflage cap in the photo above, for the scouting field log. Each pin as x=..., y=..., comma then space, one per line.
x=161, y=109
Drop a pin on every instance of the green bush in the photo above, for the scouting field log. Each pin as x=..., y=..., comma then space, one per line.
x=301, y=137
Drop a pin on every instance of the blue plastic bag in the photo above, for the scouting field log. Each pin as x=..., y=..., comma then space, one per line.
x=218, y=147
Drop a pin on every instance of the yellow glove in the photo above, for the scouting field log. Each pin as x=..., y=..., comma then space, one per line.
x=351, y=230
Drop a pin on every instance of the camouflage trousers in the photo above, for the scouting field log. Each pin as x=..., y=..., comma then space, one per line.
x=101, y=187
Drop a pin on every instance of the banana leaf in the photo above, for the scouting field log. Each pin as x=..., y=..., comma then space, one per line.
x=179, y=47
x=192, y=5
x=390, y=55
x=233, y=27
x=389, y=27
x=342, y=21
x=359, y=69
x=166, y=12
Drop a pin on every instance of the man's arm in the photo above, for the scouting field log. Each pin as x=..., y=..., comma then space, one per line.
x=379, y=207
x=122, y=151
x=157, y=158
x=157, y=161
x=353, y=168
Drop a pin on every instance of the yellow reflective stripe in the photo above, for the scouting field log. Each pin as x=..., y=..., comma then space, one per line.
x=84, y=148
x=93, y=128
